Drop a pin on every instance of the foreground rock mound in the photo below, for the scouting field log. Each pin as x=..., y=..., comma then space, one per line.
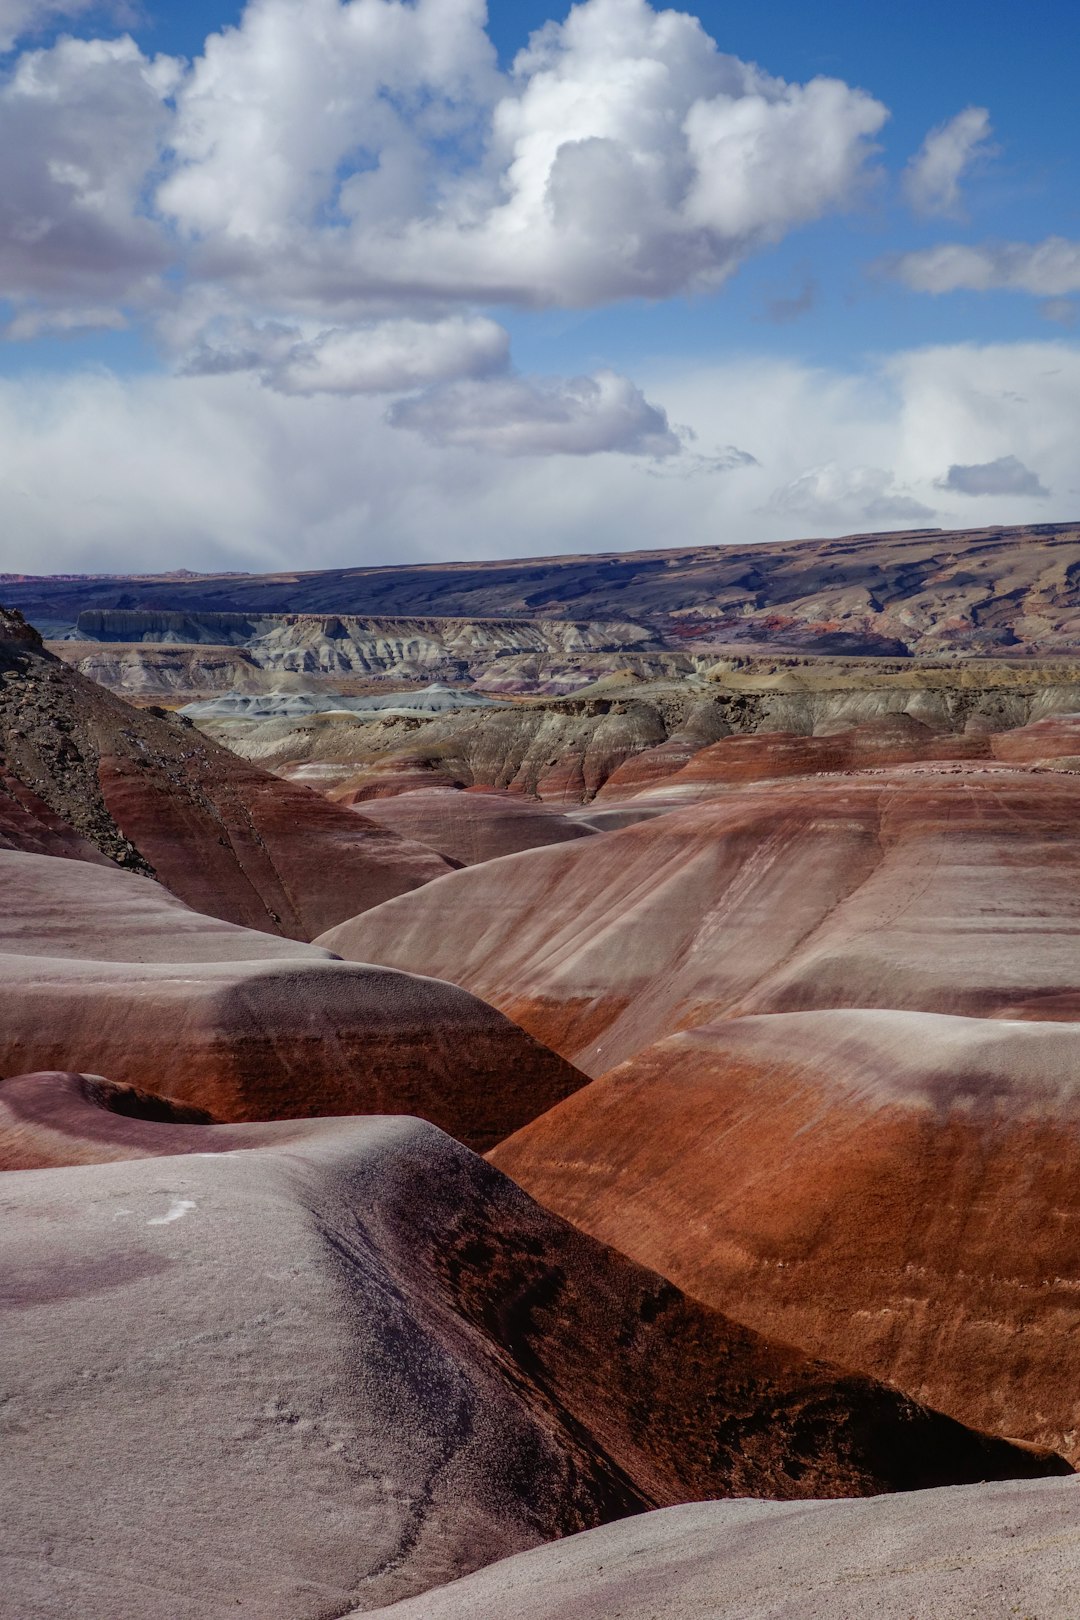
x=401, y=1367
x=986, y=1550
x=105, y=971
x=947, y=888
x=896, y=1190
x=154, y=795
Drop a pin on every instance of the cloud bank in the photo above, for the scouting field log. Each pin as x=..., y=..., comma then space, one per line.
x=221, y=471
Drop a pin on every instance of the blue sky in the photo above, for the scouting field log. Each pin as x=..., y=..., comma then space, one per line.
x=528, y=414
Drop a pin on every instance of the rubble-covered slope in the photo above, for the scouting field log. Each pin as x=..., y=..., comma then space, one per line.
x=154, y=795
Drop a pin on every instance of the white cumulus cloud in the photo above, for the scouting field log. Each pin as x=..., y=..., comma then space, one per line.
x=81, y=124
x=931, y=181
x=349, y=154
x=378, y=357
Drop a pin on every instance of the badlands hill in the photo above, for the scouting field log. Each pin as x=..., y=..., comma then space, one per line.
x=154, y=795
x=307, y=1370
x=864, y=1137
x=567, y=750
x=103, y=970
x=927, y=591
x=945, y=886
x=892, y=1189
x=750, y=959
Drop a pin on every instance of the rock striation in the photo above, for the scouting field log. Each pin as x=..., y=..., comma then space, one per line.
x=351, y=1361
x=941, y=887
x=895, y=1190
x=476, y=826
x=614, y=740
x=104, y=971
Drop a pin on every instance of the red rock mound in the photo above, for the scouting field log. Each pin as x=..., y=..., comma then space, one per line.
x=401, y=1368
x=733, y=762
x=948, y=888
x=103, y=971
x=156, y=796
x=896, y=1190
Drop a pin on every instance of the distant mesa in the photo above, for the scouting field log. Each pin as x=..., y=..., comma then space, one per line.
x=365, y=1358
x=926, y=592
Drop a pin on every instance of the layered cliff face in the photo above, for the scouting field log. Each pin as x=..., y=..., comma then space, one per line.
x=615, y=740
x=932, y=593
x=152, y=794
x=497, y=654
x=329, y=1366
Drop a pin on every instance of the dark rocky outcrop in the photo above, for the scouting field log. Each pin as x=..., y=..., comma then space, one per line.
x=155, y=796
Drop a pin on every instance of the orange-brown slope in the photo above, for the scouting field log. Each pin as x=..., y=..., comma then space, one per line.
x=104, y=971
x=896, y=1190
x=153, y=794
x=950, y=888
x=351, y=1363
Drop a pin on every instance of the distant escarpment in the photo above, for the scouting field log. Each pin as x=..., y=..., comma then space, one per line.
x=621, y=736
x=990, y=591
x=121, y=647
